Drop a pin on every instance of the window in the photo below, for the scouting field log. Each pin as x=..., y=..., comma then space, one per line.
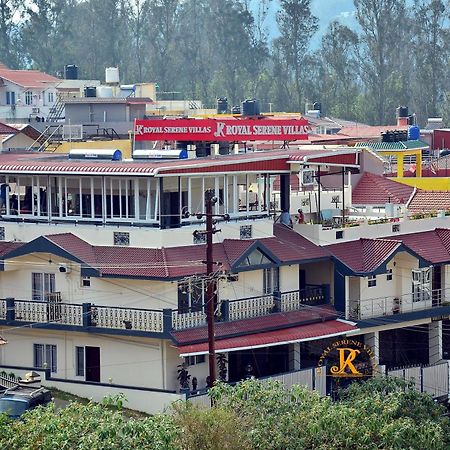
x=199, y=238
x=396, y=228
x=246, y=232
x=85, y=281
x=271, y=280
x=79, y=361
x=191, y=296
x=121, y=238
x=45, y=357
x=2, y=233
x=10, y=98
x=28, y=98
x=193, y=360
x=389, y=275
x=421, y=284
x=41, y=285
x=51, y=97
x=340, y=234
x=371, y=280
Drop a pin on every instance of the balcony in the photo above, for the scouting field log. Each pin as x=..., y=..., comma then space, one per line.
x=389, y=306
x=135, y=321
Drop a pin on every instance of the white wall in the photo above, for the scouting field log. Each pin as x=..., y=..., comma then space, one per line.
x=124, y=360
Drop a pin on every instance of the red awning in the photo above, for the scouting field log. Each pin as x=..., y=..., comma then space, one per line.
x=300, y=333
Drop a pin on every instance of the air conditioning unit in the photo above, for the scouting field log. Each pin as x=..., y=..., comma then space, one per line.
x=64, y=268
x=36, y=110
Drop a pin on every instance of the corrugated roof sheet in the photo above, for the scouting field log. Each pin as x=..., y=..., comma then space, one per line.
x=374, y=189
x=277, y=337
x=400, y=145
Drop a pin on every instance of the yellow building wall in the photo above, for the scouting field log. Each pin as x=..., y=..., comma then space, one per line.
x=426, y=183
x=124, y=145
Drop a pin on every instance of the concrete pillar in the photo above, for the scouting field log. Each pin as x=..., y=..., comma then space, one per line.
x=373, y=341
x=294, y=356
x=435, y=342
x=400, y=165
x=419, y=164
x=285, y=192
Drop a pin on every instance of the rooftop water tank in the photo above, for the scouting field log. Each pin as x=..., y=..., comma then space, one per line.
x=104, y=153
x=222, y=105
x=402, y=111
x=414, y=133
x=236, y=109
x=71, y=72
x=250, y=107
x=160, y=154
x=90, y=91
x=112, y=75
x=104, y=92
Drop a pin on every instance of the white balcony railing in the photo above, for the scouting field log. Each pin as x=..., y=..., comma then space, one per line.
x=192, y=319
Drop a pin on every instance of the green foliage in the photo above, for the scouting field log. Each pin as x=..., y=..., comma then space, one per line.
x=381, y=413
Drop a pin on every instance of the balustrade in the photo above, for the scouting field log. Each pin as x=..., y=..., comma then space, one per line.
x=251, y=307
x=127, y=318
x=191, y=319
x=2, y=309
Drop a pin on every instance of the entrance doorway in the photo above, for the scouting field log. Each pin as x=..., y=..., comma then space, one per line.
x=93, y=364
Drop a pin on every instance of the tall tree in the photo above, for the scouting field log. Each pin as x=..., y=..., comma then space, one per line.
x=9, y=54
x=297, y=25
x=383, y=37
x=338, y=54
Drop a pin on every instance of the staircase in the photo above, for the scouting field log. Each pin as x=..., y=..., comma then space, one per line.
x=47, y=141
x=56, y=111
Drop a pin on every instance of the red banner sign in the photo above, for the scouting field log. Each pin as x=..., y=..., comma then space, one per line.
x=221, y=130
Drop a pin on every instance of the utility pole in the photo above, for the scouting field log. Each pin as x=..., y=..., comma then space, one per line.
x=210, y=200
x=210, y=289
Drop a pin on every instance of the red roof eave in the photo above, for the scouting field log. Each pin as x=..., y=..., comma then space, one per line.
x=300, y=333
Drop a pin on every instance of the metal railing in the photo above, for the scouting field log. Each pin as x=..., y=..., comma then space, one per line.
x=127, y=318
x=387, y=306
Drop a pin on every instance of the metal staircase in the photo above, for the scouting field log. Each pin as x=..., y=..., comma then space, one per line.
x=56, y=111
x=46, y=141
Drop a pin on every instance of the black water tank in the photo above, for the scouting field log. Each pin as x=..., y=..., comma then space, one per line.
x=71, y=72
x=236, y=110
x=317, y=106
x=222, y=105
x=402, y=111
x=90, y=91
x=202, y=149
x=250, y=107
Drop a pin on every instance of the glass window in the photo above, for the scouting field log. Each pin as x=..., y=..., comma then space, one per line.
x=41, y=285
x=421, y=284
x=271, y=280
x=389, y=275
x=191, y=296
x=51, y=97
x=79, y=361
x=371, y=280
x=28, y=98
x=44, y=356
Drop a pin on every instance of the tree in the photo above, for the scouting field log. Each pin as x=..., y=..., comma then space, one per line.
x=339, y=77
x=297, y=25
x=9, y=54
x=383, y=55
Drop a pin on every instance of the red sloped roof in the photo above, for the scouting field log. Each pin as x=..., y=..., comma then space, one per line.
x=300, y=333
x=6, y=247
x=374, y=189
x=426, y=201
x=28, y=78
x=364, y=255
x=433, y=246
x=6, y=129
x=256, y=324
x=75, y=246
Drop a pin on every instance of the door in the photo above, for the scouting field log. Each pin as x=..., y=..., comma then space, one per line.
x=301, y=279
x=93, y=364
x=436, y=285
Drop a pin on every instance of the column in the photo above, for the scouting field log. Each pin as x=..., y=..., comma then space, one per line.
x=294, y=356
x=285, y=192
x=419, y=164
x=373, y=341
x=400, y=165
x=435, y=342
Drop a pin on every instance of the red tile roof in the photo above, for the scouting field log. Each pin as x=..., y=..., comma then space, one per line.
x=178, y=262
x=256, y=324
x=277, y=337
x=426, y=201
x=6, y=129
x=28, y=78
x=364, y=255
x=433, y=246
x=374, y=189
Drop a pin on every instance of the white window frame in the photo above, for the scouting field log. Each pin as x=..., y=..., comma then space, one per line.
x=371, y=281
x=28, y=98
x=41, y=285
x=271, y=280
x=45, y=356
x=389, y=275
x=421, y=284
x=80, y=361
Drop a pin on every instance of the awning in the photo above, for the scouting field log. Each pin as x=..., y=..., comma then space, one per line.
x=300, y=333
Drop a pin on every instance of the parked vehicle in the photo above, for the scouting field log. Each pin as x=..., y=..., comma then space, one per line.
x=18, y=399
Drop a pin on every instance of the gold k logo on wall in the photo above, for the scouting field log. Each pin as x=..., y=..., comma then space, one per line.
x=348, y=358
